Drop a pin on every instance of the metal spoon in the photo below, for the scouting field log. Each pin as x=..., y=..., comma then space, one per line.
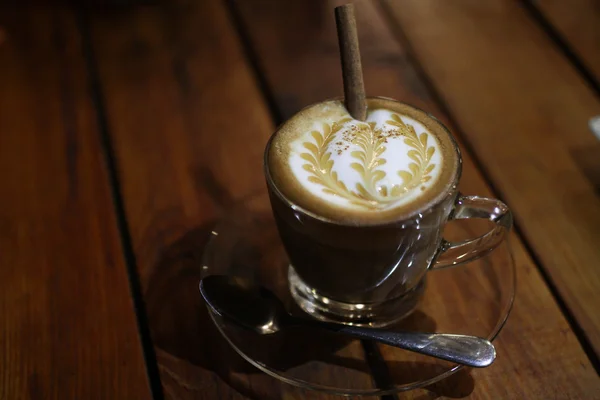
x=256, y=308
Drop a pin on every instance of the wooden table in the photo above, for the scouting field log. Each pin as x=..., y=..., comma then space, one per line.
x=117, y=129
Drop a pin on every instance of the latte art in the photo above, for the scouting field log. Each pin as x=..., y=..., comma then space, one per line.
x=396, y=162
x=380, y=163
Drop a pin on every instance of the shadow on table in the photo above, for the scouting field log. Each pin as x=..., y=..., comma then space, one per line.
x=182, y=327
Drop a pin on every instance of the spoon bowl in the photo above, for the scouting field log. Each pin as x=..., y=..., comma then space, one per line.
x=253, y=307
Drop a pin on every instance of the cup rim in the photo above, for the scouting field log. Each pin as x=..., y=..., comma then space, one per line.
x=452, y=188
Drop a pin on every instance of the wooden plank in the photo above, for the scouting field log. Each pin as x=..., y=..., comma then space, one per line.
x=524, y=110
x=551, y=366
x=68, y=328
x=578, y=23
x=189, y=127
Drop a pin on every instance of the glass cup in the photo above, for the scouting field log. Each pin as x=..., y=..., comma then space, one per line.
x=373, y=275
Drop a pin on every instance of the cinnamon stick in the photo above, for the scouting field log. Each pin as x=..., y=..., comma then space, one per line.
x=354, y=88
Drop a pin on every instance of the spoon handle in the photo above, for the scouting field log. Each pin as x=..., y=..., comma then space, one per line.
x=467, y=350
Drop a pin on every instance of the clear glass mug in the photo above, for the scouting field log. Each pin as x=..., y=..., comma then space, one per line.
x=373, y=275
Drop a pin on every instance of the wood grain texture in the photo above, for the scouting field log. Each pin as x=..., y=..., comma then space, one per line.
x=189, y=127
x=578, y=23
x=67, y=324
x=524, y=110
x=551, y=366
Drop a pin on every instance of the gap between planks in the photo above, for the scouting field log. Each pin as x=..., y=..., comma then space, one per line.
x=98, y=100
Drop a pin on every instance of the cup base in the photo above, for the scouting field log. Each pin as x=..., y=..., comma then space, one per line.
x=374, y=315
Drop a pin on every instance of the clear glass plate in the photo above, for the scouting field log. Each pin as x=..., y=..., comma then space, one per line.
x=473, y=299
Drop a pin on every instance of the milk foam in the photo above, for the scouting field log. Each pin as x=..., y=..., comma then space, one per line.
x=382, y=163
x=397, y=163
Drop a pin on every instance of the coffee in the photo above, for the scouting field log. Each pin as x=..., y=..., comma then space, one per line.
x=396, y=163
x=361, y=207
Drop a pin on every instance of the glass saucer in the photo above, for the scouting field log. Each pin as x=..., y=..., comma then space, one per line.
x=473, y=299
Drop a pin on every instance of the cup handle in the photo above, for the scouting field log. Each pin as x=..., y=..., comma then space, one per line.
x=456, y=253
